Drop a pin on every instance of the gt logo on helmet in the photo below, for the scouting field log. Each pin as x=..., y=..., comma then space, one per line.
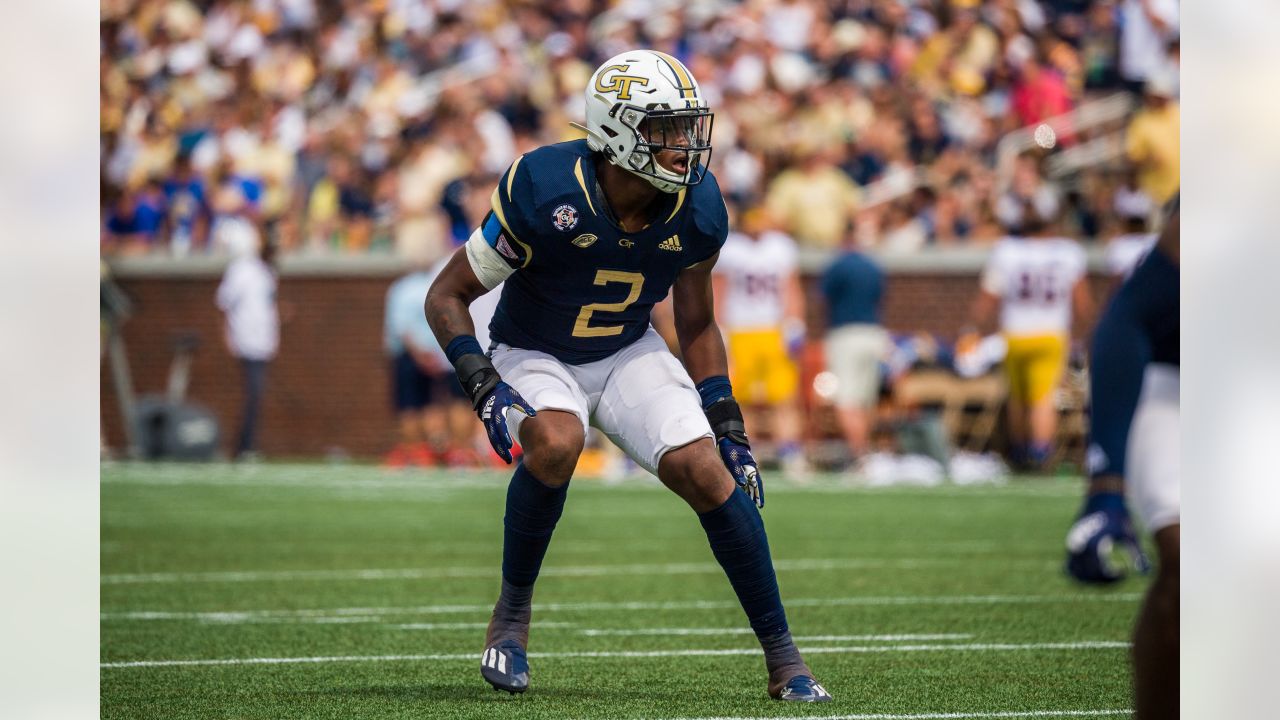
x=619, y=83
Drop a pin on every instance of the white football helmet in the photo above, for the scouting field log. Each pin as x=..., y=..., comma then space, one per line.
x=641, y=103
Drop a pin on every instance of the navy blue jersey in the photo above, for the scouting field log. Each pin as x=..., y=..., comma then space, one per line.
x=582, y=287
x=1153, y=290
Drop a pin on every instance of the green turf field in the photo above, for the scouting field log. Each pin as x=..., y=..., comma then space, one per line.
x=310, y=591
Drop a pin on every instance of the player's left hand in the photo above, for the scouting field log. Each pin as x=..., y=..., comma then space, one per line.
x=1102, y=528
x=746, y=473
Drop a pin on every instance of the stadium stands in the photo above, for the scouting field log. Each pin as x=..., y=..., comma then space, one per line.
x=380, y=127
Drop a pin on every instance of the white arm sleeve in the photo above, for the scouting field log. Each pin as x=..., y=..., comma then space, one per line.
x=490, y=268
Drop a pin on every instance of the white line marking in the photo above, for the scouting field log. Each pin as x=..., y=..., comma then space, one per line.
x=491, y=571
x=464, y=625
x=973, y=647
x=713, y=632
x=936, y=715
x=881, y=638
x=246, y=616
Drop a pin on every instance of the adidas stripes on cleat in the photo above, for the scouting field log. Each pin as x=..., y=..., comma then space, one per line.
x=803, y=688
x=506, y=667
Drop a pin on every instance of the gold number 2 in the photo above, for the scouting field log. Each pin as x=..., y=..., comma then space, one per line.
x=583, y=328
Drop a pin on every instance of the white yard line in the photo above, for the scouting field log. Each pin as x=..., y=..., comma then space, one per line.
x=798, y=565
x=850, y=649
x=936, y=715
x=257, y=615
x=882, y=638
x=715, y=632
x=469, y=626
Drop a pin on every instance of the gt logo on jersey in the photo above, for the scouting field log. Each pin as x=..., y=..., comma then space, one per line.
x=672, y=243
x=619, y=83
x=585, y=240
x=565, y=218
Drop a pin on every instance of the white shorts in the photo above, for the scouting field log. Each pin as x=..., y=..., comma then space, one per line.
x=1155, y=443
x=853, y=356
x=641, y=397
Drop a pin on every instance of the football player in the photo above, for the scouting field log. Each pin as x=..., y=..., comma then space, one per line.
x=758, y=295
x=1141, y=441
x=588, y=235
x=1036, y=279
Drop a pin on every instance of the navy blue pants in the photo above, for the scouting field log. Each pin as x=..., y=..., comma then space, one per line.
x=254, y=374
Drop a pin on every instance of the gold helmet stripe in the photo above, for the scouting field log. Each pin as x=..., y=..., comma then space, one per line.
x=687, y=90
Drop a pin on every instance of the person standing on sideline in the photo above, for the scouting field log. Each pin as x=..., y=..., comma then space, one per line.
x=757, y=291
x=247, y=296
x=436, y=423
x=1038, y=282
x=853, y=287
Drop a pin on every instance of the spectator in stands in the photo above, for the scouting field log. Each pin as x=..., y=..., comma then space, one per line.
x=247, y=296
x=816, y=201
x=188, y=211
x=1040, y=92
x=1152, y=141
x=431, y=94
x=1147, y=27
x=133, y=224
x=1100, y=46
x=355, y=205
x=853, y=287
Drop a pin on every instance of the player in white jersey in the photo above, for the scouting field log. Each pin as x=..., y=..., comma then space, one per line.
x=758, y=295
x=1036, y=281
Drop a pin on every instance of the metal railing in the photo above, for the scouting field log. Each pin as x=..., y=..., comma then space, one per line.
x=1088, y=116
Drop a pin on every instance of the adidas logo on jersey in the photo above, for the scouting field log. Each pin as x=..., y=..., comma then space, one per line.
x=672, y=243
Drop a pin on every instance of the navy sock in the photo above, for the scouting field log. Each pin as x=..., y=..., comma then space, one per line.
x=736, y=533
x=533, y=509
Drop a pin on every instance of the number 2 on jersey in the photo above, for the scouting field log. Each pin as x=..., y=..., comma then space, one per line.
x=583, y=328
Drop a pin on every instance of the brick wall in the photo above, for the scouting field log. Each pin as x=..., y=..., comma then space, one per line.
x=329, y=388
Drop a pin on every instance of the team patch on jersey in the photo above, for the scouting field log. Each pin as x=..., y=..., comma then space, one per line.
x=565, y=218
x=585, y=240
x=672, y=243
x=504, y=247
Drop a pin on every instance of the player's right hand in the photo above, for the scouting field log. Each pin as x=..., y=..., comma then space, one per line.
x=1103, y=528
x=493, y=413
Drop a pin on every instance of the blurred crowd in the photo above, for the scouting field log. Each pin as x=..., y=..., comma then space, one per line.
x=381, y=126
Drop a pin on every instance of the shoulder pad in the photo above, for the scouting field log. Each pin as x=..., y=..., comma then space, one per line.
x=539, y=182
x=710, y=217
